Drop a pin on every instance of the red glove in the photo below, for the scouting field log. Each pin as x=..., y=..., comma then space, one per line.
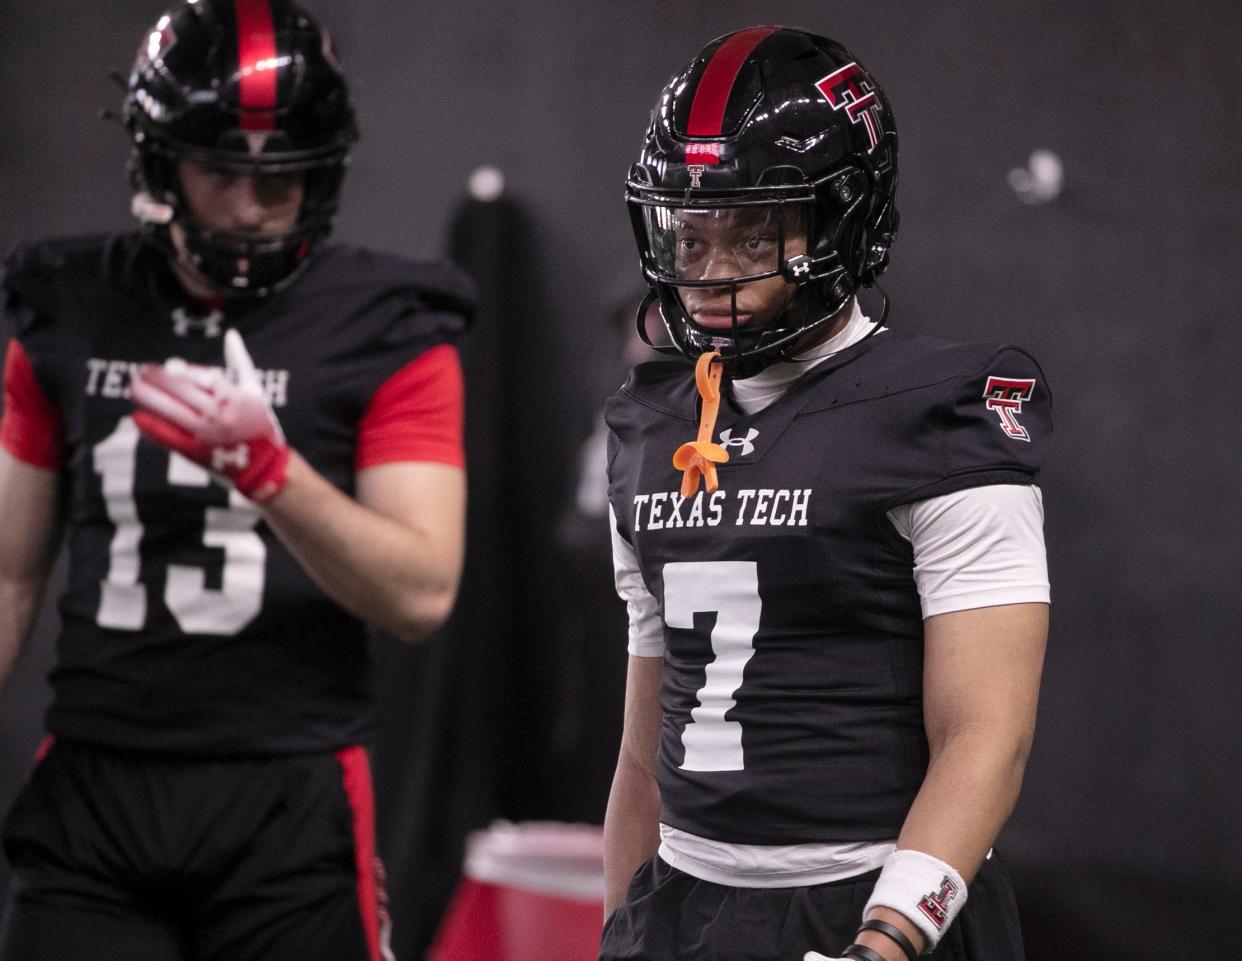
x=222, y=421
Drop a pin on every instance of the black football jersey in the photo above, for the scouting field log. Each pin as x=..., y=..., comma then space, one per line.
x=187, y=626
x=792, y=675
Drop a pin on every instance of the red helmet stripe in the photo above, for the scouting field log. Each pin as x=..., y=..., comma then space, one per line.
x=708, y=109
x=256, y=63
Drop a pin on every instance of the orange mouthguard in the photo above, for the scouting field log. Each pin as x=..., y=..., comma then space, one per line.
x=699, y=457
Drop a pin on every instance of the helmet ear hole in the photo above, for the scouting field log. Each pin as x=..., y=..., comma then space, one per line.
x=845, y=189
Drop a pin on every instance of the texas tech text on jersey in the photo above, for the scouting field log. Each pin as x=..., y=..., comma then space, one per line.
x=111, y=378
x=776, y=507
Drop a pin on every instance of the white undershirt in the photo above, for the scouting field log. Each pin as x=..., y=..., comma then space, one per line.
x=755, y=393
x=979, y=547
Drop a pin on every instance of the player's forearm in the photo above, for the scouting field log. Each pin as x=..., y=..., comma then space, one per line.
x=967, y=795
x=980, y=691
x=392, y=575
x=29, y=538
x=631, y=829
x=19, y=605
x=970, y=789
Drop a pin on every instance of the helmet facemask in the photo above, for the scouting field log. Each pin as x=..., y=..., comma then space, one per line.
x=240, y=262
x=705, y=251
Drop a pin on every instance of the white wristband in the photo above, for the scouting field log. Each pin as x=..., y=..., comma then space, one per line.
x=923, y=889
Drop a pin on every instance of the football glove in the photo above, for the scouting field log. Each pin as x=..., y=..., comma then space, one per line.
x=221, y=421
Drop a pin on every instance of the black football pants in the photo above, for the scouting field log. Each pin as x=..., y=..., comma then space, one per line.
x=670, y=916
x=153, y=858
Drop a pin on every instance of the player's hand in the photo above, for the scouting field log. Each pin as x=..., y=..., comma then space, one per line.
x=223, y=422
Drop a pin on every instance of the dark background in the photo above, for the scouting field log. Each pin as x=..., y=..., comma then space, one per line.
x=1126, y=841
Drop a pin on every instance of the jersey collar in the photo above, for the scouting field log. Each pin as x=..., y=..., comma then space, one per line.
x=753, y=394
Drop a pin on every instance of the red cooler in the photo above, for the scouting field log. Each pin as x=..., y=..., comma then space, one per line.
x=530, y=892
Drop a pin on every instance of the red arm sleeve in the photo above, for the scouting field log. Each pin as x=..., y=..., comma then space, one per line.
x=32, y=429
x=417, y=414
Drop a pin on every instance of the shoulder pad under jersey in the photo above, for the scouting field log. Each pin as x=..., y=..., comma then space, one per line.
x=429, y=286
x=978, y=413
x=39, y=275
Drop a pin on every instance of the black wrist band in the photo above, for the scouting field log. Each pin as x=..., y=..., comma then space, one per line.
x=894, y=933
x=860, y=952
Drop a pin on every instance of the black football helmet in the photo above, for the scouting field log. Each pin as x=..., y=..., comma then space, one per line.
x=251, y=86
x=785, y=142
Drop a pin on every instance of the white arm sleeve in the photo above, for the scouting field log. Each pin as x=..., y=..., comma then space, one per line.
x=646, y=627
x=980, y=547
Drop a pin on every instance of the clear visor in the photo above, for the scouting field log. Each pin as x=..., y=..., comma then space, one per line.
x=725, y=244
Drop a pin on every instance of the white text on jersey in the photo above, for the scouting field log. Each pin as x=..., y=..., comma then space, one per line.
x=110, y=378
x=764, y=507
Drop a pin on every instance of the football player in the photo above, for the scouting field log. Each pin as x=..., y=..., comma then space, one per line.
x=253, y=441
x=830, y=543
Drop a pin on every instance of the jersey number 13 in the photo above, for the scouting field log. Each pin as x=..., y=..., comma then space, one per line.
x=197, y=608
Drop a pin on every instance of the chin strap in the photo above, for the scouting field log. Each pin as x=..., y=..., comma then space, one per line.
x=699, y=458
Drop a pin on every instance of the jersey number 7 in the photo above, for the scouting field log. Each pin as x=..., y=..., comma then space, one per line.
x=731, y=590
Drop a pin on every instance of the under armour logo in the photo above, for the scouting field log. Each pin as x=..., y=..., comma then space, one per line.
x=936, y=904
x=210, y=326
x=1005, y=396
x=222, y=457
x=728, y=440
x=696, y=174
x=800, y=268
